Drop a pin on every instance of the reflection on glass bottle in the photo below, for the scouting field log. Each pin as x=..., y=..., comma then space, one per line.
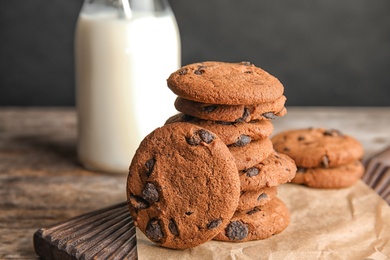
x=124, y=51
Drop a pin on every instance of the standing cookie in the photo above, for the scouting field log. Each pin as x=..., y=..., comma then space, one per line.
x=225, y=83
x=183, y=186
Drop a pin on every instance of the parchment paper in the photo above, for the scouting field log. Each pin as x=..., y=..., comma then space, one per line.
x=351, y=223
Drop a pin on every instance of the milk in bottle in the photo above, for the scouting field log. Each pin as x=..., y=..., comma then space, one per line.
x=124, y=52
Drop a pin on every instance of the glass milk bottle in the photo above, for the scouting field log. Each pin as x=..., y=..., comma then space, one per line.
x=124, y=52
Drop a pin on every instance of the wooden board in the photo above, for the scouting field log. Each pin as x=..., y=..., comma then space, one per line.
x=104, y=234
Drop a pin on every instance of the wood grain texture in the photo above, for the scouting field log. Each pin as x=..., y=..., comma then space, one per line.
x=42, y=184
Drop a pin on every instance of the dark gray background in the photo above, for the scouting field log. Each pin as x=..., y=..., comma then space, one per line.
x=325, y=52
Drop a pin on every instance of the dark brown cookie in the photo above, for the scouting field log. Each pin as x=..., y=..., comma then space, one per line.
x=236, y=134
x=318, y=147
x=330, y=178
x=183, y=186
x=251, y=154
x=276, y=169
x=258, y=223
x=251, y=199
x=225, y=83
x=232, y=113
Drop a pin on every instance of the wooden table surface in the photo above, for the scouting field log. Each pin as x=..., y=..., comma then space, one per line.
x=41, y=182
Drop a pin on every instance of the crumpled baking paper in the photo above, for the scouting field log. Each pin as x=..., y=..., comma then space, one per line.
x=350, y=223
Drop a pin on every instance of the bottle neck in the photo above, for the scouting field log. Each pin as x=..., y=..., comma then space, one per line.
x=149, y=5
x=126, y=6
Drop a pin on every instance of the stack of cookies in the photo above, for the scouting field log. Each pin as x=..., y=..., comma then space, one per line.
x=211, y=171
x=326, y=158
x=237, y=102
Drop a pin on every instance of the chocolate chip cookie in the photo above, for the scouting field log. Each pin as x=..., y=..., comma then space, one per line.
x=330, y=178
x=232, y=134
x=225, y=83
x=258, y=223
x=232, y=113
x=318, y=147
x=183, y=186
x=276, y=169
x=251, y=199
x=251, y=154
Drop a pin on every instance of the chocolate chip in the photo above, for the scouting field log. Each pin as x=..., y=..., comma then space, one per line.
x=200, y=70
x=200, y=136
x=209, y=109
x=325, y=161
x=242, y=141
x=183, y=71
x=173, y=227
x=149, y=165
x=138, y=202
x=237, y=230
x=206, y=136
x=301, y=170
x=244, y=116
x=286, y=149
x=328, y=132
x=189, y=213
x=150, y=192
x=194, y=140
x=253, y=211
x=262, y=196
x=224, y=123
x=154, y=231
x=214, y=223
x=333, y=132
x=301, y=138
x=269, y=115
x=187, y=118
x=252, y=172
